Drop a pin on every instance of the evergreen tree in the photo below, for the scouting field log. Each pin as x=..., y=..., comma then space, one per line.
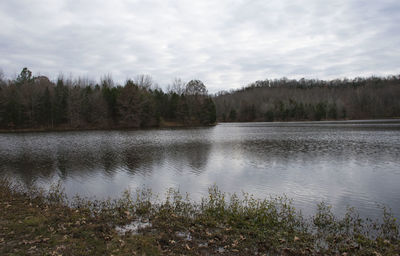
x=232, y=115
x=25, y=77
x=60, y=109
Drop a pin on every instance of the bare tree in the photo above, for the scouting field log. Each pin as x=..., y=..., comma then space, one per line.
x=83, y=81
x=74, y=102
x=144, y=81
x=177, y=86
x=2, y=82
x=107, y=81
x=195, y=87
x=129, y=105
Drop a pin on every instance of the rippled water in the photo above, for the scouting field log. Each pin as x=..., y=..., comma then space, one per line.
x=342, y=163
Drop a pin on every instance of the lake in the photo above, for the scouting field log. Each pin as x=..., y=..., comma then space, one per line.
x=348, y=163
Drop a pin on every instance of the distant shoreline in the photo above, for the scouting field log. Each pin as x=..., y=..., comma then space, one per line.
x=320, y=121
x=177, y=125
x=70, y=129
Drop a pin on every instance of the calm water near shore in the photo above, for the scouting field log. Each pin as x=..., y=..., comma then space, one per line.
x=354, y=163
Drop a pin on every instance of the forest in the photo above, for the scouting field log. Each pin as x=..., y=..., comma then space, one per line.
x=35, y=102
x=30, y=102
x=309, y=99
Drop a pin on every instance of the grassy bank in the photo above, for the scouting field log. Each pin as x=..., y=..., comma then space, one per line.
x=38, y=223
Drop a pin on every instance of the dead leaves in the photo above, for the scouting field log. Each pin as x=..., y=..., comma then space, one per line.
x=122, y=242
x=35, y=241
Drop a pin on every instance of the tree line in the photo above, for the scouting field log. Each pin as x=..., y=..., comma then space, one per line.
x=310, y=99
x=30, y=102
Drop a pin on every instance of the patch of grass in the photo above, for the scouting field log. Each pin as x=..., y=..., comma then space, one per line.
x=38, y=223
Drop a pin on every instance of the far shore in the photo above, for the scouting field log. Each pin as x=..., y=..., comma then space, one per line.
x=172, y=124
x=68, y=129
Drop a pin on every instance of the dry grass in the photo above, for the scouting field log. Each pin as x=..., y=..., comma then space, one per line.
x=38, y=223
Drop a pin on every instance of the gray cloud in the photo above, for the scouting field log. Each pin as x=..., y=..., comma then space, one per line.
x=226, y=44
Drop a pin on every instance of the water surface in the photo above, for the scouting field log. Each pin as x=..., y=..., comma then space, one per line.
x=343, y=163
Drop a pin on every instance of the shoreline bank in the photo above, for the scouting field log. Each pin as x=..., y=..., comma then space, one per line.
x=34, y=222
x=182, y=125
x=69, y=129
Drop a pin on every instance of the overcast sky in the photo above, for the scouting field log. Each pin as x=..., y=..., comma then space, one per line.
x=226, y=44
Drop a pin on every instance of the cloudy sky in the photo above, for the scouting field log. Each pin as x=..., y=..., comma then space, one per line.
x=226, y=44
